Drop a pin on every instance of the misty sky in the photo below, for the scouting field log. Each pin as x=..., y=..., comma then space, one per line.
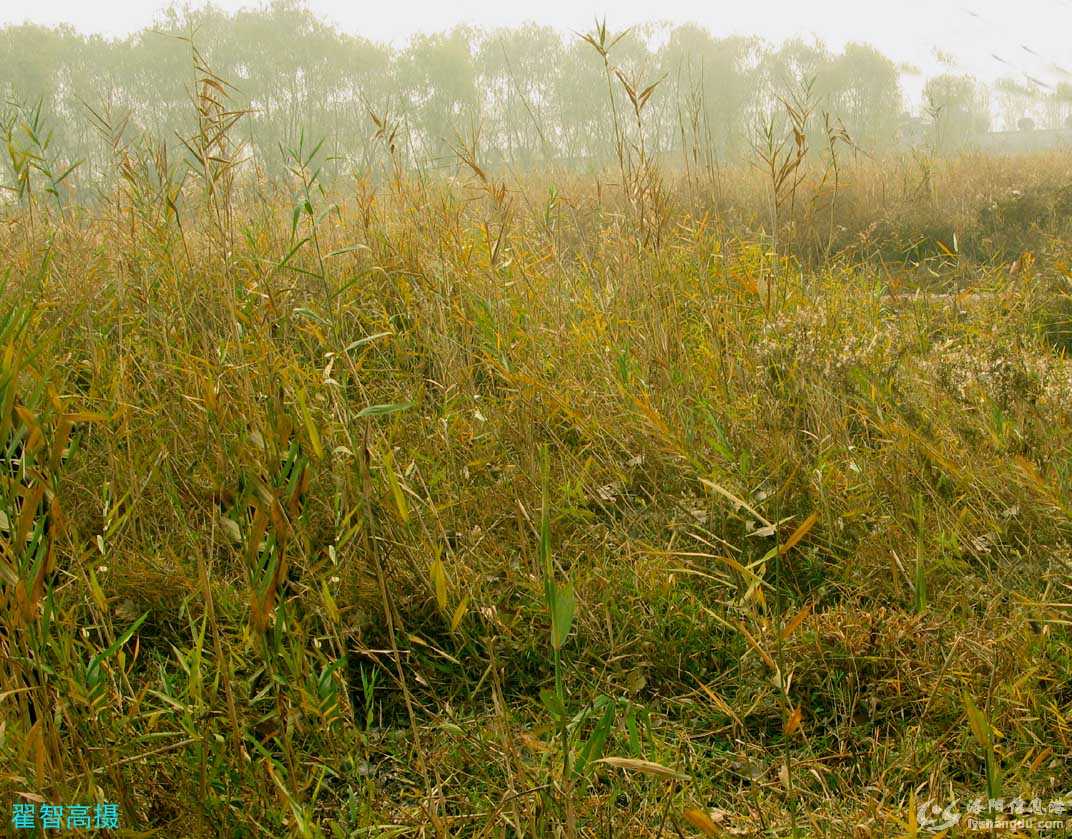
x=1032, y=37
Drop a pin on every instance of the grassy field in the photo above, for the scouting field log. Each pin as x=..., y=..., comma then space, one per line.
x=463, y=506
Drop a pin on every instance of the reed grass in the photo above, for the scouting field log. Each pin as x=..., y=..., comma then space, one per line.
x=458, y=506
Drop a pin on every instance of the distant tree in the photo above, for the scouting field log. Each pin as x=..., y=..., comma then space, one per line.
x=32, y=56
x=297, y=74
x=1059, y=107
x=712, y=85
x=581, y=107
x=46, y=66
x=865, y=93
x=1016, y=101
x=859, y=88
x=517, y=71
x=534, y=93
x=797, y=61
x=437, y=76
x=957, y=109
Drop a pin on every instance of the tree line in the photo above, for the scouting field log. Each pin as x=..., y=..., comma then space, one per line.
x=525, y=95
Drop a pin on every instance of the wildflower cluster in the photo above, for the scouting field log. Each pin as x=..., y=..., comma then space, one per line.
x=978, y=370
x=823, y=341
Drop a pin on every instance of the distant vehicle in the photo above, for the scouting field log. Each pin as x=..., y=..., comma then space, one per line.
x=1027, y=138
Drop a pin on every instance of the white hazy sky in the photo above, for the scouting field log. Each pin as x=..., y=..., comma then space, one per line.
x=1032, y=37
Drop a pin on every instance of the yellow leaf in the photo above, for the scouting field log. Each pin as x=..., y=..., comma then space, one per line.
x=396, y=487
x=720, y=703
x=977, y=721
x=645, y=767
x=310, y=427
x=533, y=743
x=1039, y=758
x=97, y=592
x=459, y=614
x=752, y=642
x=439, y=582
x=701, y=821
x=795, y=621
x=739, y=504
x=793, y=723
x=329, y=602
x=799, y=533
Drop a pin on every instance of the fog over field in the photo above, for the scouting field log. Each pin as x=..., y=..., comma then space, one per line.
x=988, y=39
x=531, y=93
x=969, y=32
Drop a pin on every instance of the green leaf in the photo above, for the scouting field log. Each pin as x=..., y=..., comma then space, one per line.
x=563, y=604
x=117, y=643
x=286, y=259
x=324, y=682
x=309, y=313
x=553, y=703
x=545, y=543
x=350, y=249
x=980, y=728
x=381, y=410
x=360, y=342
x=593, y=748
